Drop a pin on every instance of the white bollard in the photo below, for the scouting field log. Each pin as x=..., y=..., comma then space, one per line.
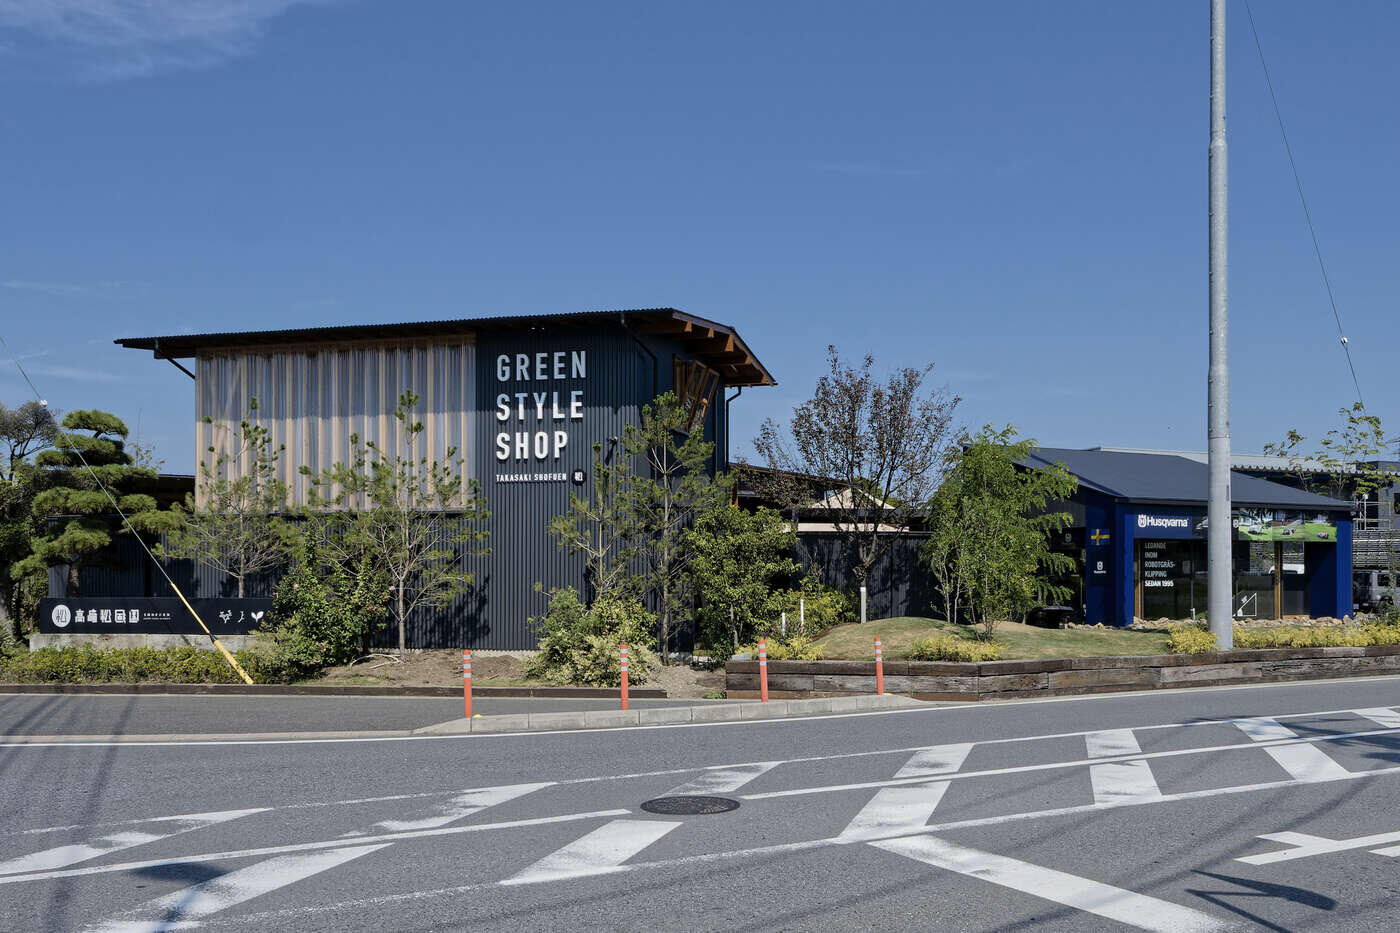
x=862, y=605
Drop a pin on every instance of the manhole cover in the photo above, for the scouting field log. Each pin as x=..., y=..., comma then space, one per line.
x=690, y=805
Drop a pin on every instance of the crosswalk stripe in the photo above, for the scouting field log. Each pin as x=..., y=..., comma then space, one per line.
x=63, y=856
x=1307, y=763
x=895, y=809
x=1103, y=900
x=1116, y=781
x=175, y=911
x=1263, y=729
x=1381, y=717
x=941, y=759
x=461, y=806
x=600, y=852
x=722, y=780
x=1111, y=742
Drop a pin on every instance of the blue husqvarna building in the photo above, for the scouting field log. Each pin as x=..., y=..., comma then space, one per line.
x=1138, y=532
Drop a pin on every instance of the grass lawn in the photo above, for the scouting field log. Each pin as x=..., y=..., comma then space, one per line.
x=856, y=641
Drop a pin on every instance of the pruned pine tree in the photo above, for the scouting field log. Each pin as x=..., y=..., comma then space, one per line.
x=77, y=521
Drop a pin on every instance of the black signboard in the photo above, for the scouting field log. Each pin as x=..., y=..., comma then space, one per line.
x=87, y=615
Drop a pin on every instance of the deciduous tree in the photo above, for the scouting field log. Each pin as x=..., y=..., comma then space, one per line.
x=238, y=522
x=412, y=516
x=884, y=443
x=990, y=524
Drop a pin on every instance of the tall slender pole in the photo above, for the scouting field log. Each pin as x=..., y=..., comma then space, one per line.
x=1220, y=599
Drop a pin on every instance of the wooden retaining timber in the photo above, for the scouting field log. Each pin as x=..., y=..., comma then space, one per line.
x=994, y=680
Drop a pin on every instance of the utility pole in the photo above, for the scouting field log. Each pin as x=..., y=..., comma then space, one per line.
x=1220, y=600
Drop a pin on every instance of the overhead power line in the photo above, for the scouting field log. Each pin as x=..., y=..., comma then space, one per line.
x=38, y=397
x=1307, y=214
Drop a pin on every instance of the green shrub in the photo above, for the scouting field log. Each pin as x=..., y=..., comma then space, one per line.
x=825, y=608
x=324, y=613
x=181, y=665
x=1191, y=639
x=796, y=647
x=579, y=644
x=951, y=648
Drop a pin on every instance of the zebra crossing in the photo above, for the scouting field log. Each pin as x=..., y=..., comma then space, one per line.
x=901, y=809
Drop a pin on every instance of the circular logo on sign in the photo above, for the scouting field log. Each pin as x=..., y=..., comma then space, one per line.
x=578, y=477
x=60, y=616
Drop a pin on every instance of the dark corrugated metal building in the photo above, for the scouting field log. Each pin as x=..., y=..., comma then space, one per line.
x=524, y=399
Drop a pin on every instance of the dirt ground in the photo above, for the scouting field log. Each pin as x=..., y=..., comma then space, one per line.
x=444, y=668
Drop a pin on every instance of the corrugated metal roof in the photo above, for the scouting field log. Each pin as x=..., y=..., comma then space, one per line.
x=1240, y=461
x=1158, y=477
x=717, y=345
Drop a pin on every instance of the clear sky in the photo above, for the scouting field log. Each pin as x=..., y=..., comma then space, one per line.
x=1013, y=190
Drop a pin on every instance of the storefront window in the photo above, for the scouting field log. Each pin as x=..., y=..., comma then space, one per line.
x=1295, y=583
x=1255, y=565
x=1172, y=576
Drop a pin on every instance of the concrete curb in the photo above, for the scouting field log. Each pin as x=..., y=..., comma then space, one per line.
x=329, y=690
x=667, y=716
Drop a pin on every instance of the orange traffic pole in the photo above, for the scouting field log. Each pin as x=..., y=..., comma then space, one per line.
x=763, y=670
x=467, y=681
x=879, y=668
x=624, y=676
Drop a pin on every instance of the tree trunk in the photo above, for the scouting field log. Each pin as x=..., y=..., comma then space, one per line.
x=240, y=586
x=74, y=581
x=398, y=599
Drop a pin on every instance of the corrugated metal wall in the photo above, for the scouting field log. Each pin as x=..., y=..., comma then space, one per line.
x=313, y=399
x=899, y=585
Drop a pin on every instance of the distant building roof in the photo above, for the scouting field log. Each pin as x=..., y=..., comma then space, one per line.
x=717, y=345
x=1170, y=478
x=1260, y=462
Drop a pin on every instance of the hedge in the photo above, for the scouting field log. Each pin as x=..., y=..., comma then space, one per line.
x=1191, y=639
x=84, y=664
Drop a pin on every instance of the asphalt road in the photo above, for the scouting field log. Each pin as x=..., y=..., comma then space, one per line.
x=76, y=714
x=1254, y=808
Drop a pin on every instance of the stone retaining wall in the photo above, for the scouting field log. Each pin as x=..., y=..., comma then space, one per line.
x=990, y=680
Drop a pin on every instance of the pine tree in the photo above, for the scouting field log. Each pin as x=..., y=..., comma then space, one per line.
x=76, y=518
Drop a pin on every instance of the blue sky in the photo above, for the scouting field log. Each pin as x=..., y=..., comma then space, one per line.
x=1014, y=190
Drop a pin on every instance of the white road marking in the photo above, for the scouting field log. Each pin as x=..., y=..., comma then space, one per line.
x=1383, y=717
x=1123, y=780
x=894, y=809
x=1111, y=742
x=1055, y=765
x=722, y=780
x=1119, y=780
x=601, y=852
x=940, y=759
x=461, y=806
x=1103, y=900
x=175, y=911
x=1307, y=763
x=1305, y=845
x=1263, y=729
x=62, y=856
x=304, y=847
x=270, y=919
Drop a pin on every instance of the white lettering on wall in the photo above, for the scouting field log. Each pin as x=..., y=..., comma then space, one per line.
x=536, y=434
